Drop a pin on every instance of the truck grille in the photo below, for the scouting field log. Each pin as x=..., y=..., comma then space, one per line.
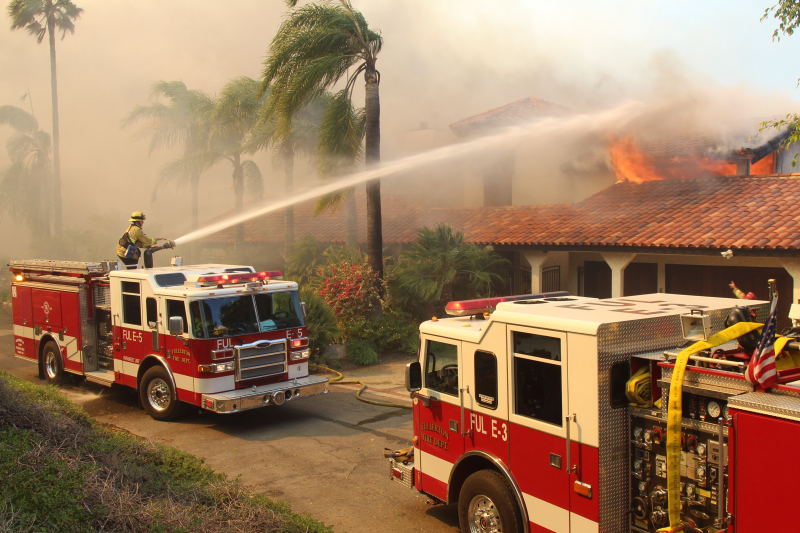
x=259, y=359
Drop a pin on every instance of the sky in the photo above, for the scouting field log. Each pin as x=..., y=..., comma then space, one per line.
x=441, y=61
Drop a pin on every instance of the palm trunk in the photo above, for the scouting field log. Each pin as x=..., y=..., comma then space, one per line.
x=351, y=219
x=238, y=194
x=288, y=215
x=372, y=155
x=194, y=185
x=57, y=220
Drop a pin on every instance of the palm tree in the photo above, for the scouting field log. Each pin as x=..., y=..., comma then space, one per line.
x=25, y=182
x=236, y=112
x=40, y=17
x=183, y=121
x=441, y=260
x=302, y=139
x=314, y=48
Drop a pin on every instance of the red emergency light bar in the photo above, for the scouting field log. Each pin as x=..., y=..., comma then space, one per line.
x=239, y=277
x=486, y=305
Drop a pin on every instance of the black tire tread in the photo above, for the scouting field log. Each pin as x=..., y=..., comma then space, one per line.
x=176, y=408
x=495, y=486
x=59, y=379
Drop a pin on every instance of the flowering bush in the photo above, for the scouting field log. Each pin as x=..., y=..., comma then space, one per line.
x=349, y=290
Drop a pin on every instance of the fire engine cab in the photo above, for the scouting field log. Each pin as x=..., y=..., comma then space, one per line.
x=545, y=415
x=220, y=337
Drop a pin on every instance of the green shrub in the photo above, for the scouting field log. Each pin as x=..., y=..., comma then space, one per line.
x=321, y=322
x=362, y=352
x=386, y=333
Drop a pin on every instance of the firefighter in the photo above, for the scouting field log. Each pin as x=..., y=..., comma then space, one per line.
x=134, y=238
x=739, y=294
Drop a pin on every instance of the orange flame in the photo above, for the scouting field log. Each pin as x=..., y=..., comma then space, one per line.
x=633, y=165
x=629, y=163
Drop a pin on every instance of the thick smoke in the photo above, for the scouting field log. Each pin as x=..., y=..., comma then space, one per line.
x=440, y=63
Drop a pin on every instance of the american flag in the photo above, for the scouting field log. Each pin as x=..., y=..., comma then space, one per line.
x=762, y=369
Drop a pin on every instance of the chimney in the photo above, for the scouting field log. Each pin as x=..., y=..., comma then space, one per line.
x=743, y=167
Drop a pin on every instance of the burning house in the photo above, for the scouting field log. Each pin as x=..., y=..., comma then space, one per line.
x=685, y=214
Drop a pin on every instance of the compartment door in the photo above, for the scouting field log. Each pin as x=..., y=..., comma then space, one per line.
x=538, y=429
x=440, y=440
x=46, y=308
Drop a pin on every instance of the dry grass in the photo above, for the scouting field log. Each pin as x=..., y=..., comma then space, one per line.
x=61, y=471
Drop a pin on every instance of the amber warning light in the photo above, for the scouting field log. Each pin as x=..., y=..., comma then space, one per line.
x=245, y=277
x=487, y=305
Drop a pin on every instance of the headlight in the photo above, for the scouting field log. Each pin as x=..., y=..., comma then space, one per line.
x=222, y=367
x=216, y=367
x=303, y=354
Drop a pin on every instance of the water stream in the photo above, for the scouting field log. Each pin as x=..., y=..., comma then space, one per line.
x=542, y=128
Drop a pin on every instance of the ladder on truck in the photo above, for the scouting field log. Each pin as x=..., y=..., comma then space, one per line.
x=61, y=267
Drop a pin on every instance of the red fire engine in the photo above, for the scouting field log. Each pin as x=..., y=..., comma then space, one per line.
x=221, y=337
x=545, y=415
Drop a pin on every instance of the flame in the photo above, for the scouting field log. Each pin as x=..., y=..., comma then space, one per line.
x=631, y=164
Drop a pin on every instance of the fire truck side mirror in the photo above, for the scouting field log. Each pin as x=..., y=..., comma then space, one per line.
x=175, y=325
x=413, y=377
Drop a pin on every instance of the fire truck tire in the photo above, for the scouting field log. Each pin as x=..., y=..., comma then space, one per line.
x=52, y=363
x=158, y=397
x=486, y=505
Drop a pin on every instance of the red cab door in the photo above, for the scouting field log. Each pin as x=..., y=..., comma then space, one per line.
x=538, y=432
x=440, y=422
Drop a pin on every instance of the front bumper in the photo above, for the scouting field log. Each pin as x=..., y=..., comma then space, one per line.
x=273, y=394
x=402, y=473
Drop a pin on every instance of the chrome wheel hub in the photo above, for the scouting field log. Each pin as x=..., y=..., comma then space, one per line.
x=50, y=365
x=483, y=516
x=158, y=394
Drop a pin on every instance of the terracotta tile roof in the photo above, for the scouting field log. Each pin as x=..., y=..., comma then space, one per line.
x=509, y=114
x=730, y=212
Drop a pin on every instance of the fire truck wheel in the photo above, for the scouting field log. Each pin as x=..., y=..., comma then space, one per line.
x=52, y=363
x=157, y=394
x=486, y=505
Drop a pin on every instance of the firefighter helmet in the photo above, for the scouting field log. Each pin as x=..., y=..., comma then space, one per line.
x=137, y=216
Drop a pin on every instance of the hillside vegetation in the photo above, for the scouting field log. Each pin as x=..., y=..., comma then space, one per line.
x=62, y=471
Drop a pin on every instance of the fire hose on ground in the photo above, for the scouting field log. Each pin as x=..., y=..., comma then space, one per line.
x=340, y=381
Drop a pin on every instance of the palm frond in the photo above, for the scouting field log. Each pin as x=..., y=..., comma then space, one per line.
x=180, y=171
x=340, y=136
x=18, y=118
x=332, y=201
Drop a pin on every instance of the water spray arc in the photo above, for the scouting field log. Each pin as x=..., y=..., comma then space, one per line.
x=546, y=127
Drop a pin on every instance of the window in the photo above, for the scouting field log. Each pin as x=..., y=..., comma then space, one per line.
x=486, y=379
x=224, y=317
x=441, y=367
x=537, y=377
x=278, y=311
x=131, y=303
x=551, y=279
x=177, y=308
x=152, y=312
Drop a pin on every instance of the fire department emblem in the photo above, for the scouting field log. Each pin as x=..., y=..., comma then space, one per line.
x=19, y=347
x=46, y=308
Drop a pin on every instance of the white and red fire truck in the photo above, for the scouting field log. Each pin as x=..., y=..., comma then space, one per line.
x=522, y=417
x=220, y=337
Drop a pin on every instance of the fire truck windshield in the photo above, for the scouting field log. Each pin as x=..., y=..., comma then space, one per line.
x=245, y=315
